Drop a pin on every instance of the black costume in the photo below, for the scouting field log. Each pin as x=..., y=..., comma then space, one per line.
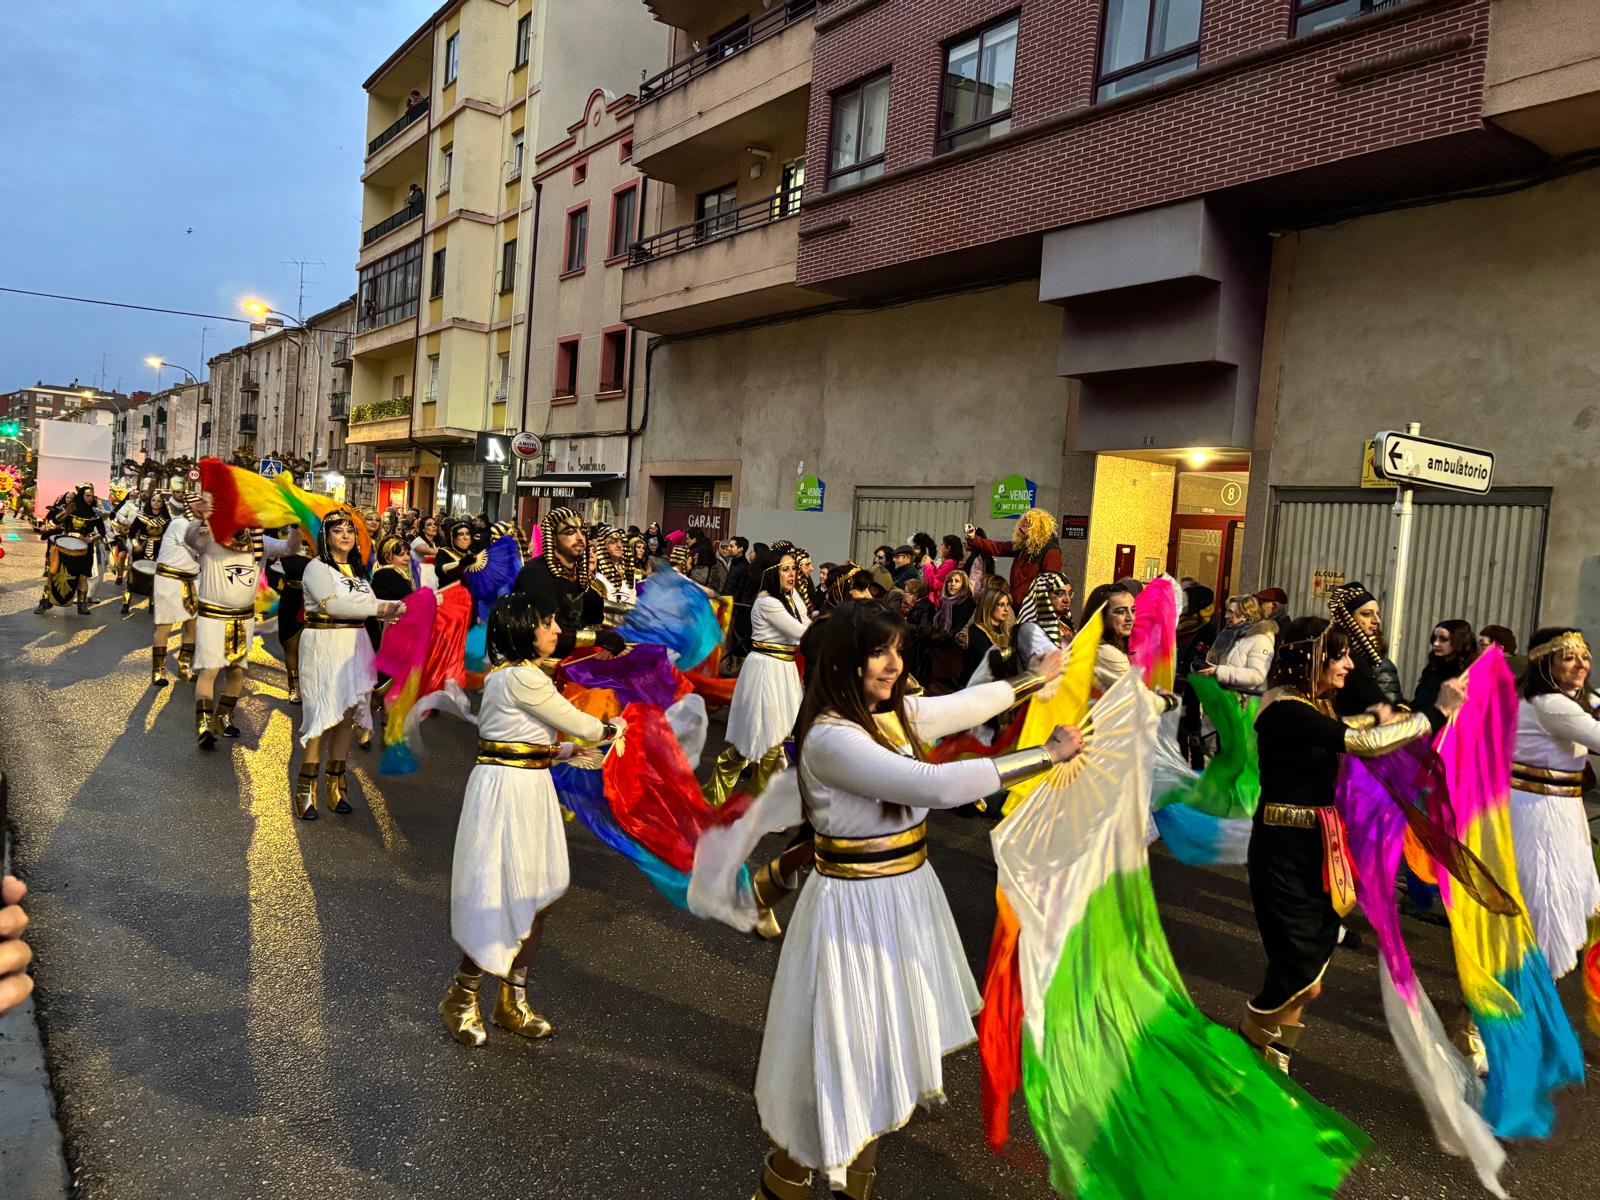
x=74, y=515
x=567, y=590
x=1374, y=679
x=144, y=543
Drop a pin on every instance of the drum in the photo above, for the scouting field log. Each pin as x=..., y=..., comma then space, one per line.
x=145, y=566
x=68, y=544
x=142, y=577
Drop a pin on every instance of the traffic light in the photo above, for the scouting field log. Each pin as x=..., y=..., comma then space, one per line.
x=10, y=428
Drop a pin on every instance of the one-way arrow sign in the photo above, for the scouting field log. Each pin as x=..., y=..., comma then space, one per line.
x=1405, y=458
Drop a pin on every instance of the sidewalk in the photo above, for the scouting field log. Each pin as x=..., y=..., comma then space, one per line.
x=32, y=1166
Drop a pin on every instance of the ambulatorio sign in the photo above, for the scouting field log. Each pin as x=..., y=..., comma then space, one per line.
x=1406, y=458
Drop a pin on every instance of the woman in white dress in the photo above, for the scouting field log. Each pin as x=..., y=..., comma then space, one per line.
x=337, y=671
x=423, y=549
x=872, y=987
x=1556, y=733
x=767, y=697
x=510, y=859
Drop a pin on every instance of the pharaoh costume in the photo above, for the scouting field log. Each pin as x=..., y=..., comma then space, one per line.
x=567, y=588
x=172, y=599
x=145, y=527
x=225, y=626
x=873, y=988
x=1034, y=549
x=1556, y=733
x=1040, y=629
x=617, y=578
x=75, y=516
x=1375, y=679
x=1301, y=880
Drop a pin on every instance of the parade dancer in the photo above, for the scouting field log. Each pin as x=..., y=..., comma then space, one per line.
x=561, y=580
x=73, y=527
x=1301, y=881
x=172, y=599
x=872, y=988
x=225, y=625
x=287, y=575
x=336, y=661
x=424, y=550
x=1044, y=622
x=510, y=862
x=767, y=697
x=1374, y=679
x=1557, y=730
x=144, y=528
x=615, y=572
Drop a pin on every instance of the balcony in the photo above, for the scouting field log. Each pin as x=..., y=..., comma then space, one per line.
x=407, y=119
x=381, y=421
x=249, y=381
x=247, y=423
x=1543, y=76
x=393, y=221
x=747, y=89
x=735, y=266
x=338, y=406
x=341, y=351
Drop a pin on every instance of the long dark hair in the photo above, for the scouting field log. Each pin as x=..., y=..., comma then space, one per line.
x=1463, y=643
x=924, y=542
x=513, y=622
x=856, y=631
x=1537, y=679
x=1303, y=647
x=766, y=574
x=1099, y=597
x=341, y=516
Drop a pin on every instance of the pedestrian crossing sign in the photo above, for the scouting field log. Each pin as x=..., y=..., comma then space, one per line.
x=269, y=467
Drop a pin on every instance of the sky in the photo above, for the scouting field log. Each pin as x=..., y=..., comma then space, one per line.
x=171, y=153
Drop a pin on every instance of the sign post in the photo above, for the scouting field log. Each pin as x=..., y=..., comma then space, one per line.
x=1409, y=460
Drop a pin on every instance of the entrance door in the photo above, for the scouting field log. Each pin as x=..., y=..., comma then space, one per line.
x=1206, y=550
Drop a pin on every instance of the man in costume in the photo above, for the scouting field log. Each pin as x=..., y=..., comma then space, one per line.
x=562, y=580
x=75, y=516
x=225, y=626
x=143, y=526
x=1375, y=679
x=1034, y=549
x=172, y=599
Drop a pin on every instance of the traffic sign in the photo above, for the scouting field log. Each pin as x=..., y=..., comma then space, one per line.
x=269, y=467
x=193, y=474
x=527, y=446
x=1413, y=461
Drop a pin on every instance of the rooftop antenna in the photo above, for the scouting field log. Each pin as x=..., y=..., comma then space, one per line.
x=300, y=302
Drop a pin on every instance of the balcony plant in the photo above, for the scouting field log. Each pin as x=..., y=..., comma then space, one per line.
x=381, y=410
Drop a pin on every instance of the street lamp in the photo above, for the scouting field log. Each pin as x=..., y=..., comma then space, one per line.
x=260, y=311
x=156, y=361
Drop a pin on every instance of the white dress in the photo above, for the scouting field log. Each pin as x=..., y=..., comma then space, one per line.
x=766, y=699
x=872, y=987
x=1555, y=856
x=511, y=846
x=337, y=671
x=422, y=554
x=168, y=604
x=227, y=587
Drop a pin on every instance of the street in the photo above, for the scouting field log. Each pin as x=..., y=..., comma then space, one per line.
x=237, y=1004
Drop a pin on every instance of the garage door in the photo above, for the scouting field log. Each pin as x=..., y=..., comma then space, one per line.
x=1477, y=561
x=890, y=515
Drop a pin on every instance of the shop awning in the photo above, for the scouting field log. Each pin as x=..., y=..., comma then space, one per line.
x=581, y=480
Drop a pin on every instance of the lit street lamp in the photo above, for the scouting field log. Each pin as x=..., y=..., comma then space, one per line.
x=260, y=311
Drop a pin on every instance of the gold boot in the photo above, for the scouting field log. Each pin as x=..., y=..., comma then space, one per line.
x=511, y=1011
x=158, y=669
x=1274, y=1043
x=770, y=887
x=204, y=737
x=294, y=687
x=304, y=798
x=338, y=789
x=858, y=1185
x=459, y=1008
x=771, y=763
x=776, y=1187
x=223, y=719
x=186, y=662
x=724, y=777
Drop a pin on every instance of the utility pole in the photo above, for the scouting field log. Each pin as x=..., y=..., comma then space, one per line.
x=300, y=302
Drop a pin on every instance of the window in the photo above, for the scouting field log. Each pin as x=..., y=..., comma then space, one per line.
x=503, y=375
x=390, y=287
x=1146, y=41
x=576, y=254
x=566, y=382
x=508, y=267
x=791, y=183
x=1312, y=15
x=625, y=150
x=398, y=387
x=433, y=379
x=524, y=29
x=729, y=40
x=452, y=57
x=580, y=171
x=713, y=211
x=448, y=161
x=624, y=219
x=516, y=156
x=436, y=275
x=614, y=359
x=860, y=117
x=977, y=87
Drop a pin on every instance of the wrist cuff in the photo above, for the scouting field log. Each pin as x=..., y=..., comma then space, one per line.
x=1025, y=685
x=1021, y=765
x=585, y=639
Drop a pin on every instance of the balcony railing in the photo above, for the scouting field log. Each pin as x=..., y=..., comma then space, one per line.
x=341, y=351
x=247, y=423
x=392, y=222
x=338, y=406
x=407, y=119
x=708, y=229
x=249, y=382
x=391, y=409
x=679, y=73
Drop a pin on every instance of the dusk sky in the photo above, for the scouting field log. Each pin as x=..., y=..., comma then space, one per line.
x=127, y=125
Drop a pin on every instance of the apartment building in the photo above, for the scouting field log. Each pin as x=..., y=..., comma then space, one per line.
x=48, y=402
x=159, y=428
x=455, y=116
x=285, y=394
x=1165, y=265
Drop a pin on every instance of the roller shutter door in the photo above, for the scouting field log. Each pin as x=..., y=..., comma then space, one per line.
x=890, y=515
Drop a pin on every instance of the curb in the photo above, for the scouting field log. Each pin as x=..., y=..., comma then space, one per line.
x=33, y=1164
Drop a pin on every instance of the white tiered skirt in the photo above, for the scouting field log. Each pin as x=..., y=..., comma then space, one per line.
x=510, y=862
x=872, y=990
x=1555, y=866
x=766, y=701
x=336, y=675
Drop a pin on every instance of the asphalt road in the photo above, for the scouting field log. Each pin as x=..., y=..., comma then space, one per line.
x=239, y=1005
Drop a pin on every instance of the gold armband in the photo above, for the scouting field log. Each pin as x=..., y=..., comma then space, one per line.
x=1360, y=721
x=1025, y=685
x=1021, y=765
x=1380, y=739
x=584, y=640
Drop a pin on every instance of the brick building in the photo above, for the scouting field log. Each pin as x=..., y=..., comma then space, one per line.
x=1170, y=261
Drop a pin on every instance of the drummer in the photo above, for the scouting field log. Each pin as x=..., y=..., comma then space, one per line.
x=72, y=528
x=144, y=527
x=174, y=601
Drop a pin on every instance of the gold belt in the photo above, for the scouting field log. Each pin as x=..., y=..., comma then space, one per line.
x=174, y=573
x=1543, y=781
x=779, y=650
x=1293, y=816
x=323, y=621
x=218, y=612
x=530, y=756
x=292, y=583
x=873, y=857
